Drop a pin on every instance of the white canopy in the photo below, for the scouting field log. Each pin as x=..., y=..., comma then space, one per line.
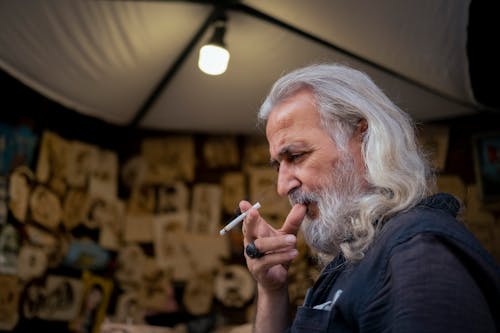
x=136, y=61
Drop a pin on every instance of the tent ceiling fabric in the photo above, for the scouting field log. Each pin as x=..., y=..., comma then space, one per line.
x=105, y=58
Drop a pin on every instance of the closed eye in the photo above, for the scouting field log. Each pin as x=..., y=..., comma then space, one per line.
x=290, y=158
x=294, y=157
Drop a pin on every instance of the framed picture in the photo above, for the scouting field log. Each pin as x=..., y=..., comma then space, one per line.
x=487, y=167
x=96, y=294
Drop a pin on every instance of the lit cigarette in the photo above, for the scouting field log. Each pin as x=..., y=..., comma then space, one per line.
x=237, y=220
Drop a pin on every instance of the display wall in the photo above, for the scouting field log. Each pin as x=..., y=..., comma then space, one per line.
x=102, y=224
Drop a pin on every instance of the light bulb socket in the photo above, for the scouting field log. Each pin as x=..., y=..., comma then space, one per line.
x=219, y=32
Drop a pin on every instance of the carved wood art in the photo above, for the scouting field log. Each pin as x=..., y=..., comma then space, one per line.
x=75, y=207
x=45, y=207
x=52, y=159
x=199, y=293
x=20, y=183
x=54, y=298
x=129, y=309
x=220, y=152
x=104, y=176
x=206, y=209
x=233, y=190
x=9, y=302
x=172, y=198
x=81, y=159
x=32, y=262
x=234, y=286
x=168, y=159
x=130, y=267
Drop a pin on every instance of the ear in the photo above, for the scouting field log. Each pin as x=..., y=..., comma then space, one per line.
x=361, y=129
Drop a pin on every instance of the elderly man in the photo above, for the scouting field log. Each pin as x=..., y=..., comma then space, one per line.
x=395, y=257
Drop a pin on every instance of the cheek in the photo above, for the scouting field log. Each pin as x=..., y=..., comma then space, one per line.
x=318, y=174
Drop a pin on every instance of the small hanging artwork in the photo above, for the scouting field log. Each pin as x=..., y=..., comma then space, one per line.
x=96, y=294
x=9, y=302
x=234, y=286
x=54, y=298
x=206, y=209
x=20, y=183
x=45, y=207
x=10, y=245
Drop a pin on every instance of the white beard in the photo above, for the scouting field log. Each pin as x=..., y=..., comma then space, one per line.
x=337, y=205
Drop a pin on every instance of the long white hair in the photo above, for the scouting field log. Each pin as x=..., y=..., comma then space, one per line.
x=397, y=171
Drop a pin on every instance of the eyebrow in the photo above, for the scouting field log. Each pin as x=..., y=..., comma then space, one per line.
x=284, y=151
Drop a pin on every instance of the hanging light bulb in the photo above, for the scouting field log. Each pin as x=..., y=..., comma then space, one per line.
x=214, y=57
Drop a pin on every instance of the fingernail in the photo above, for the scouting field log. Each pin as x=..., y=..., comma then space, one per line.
x=290, y=239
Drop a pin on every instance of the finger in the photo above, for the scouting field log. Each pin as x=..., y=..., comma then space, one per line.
x=294, y=219
x=281, y=243
x=252, y=222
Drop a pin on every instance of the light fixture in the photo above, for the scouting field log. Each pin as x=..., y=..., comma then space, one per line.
x=214, y=57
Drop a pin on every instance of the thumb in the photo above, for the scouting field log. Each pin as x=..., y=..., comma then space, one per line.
x=294, y=219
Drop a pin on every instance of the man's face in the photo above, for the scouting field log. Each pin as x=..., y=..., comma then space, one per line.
x=314, y=172
x=303, y=153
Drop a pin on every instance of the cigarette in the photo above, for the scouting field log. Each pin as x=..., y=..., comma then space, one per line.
x=237, y=220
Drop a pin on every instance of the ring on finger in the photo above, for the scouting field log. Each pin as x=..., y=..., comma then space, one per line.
x=252, y=251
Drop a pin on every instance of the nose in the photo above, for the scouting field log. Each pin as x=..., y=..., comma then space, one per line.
x=286, y=180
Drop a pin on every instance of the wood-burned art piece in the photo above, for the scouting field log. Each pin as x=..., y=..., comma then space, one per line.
x=172, y=198
x=206, y=209
x=10, y=245
x=233, y=191
x=133, y=171
x=156, y=292
x=142, y=200
x=41, y=238
x=234, y=286
x=169, y=159
x=170, y=252
x=9, y=302
x=20, y=183
x=81, y=159
x=129, y=309
x=45, y=207
x=131, y=262
x=199, y=293
x=111, y=222
x=138, y=228
x=55, y=245
x=102, y=211
x=52, y=159
x=32, y=262
x=204, y=252
x=104, y=177
x=96, y=294
x=75, y=208
x=56, y=298
x=256, y=153
x=220, y=152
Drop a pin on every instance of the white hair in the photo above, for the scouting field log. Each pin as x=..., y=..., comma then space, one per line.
x=398, y=173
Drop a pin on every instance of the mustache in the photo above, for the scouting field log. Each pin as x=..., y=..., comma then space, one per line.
x=300, y=197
